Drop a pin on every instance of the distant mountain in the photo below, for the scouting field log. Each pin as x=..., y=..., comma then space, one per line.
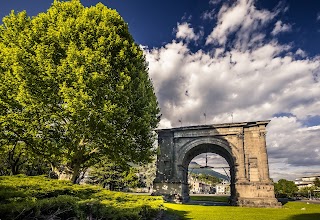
x=194, y=167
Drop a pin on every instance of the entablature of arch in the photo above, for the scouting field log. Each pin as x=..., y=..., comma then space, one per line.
x=224, y=130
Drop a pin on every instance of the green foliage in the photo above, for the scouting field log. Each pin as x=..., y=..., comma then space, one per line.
x=75, y=86
x=147, y=173
x=308, y=191
x=37, y=197
x=113, y=176
x=16, y=158
x=317, y=182
x=285, y=188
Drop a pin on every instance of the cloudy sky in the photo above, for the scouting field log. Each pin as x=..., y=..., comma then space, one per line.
x=237, y=60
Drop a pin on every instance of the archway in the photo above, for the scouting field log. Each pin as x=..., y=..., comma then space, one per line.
x=207, y=148
x=209, y=179
x=241, y=144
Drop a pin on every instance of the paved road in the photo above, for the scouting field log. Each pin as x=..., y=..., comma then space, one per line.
x=285, y=200
x=310, y=201
x=207, y=203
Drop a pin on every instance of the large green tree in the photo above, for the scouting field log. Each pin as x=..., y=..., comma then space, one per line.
x=285, y=188
x=75, y=86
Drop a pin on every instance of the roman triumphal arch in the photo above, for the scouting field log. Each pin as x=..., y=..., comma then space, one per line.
x=243, y=145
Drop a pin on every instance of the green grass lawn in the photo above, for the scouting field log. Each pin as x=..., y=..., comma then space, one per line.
x=210, y=198
x=290, y=211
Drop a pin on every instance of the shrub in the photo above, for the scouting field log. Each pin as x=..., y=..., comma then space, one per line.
x=38, y=197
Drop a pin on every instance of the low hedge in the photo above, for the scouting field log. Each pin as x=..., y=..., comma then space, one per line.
x=38, y=197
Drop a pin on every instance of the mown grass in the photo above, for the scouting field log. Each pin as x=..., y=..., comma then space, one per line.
x=210, y=198
x=38, y=197
x=290, y=211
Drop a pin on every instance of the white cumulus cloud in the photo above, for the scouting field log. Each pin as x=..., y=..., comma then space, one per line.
x=241, y=18
x=184, y=31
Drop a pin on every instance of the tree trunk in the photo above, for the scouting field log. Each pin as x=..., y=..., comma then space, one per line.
x=14, y=169
x=75, y=174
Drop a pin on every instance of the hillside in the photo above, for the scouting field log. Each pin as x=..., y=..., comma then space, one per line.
x=194, y=167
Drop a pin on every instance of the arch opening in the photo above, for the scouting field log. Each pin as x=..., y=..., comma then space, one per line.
x=209, y=174
x=203, y=149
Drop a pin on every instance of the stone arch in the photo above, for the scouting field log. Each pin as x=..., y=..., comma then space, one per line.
x=243, y=146
x=207, y=145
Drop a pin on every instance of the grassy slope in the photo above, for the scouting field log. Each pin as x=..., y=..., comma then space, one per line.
x=290, y=211
x=38, y=197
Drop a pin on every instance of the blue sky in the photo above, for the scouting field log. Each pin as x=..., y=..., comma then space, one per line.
x=152, y=22
x=255, y=59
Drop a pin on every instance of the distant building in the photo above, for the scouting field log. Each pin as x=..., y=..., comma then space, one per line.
x=306, y=181
x=199, y=187
x=223, y=188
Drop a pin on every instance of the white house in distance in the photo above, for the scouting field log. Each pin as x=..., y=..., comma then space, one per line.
x=223, y=188
x=306, y=181
x=199, y=187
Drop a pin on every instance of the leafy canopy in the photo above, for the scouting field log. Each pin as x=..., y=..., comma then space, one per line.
x=285, y=188
x=74, y=86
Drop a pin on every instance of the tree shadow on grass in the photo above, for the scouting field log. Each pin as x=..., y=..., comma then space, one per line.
x=309, y=216
x=172, y=214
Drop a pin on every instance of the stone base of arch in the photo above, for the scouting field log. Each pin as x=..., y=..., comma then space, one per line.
x=171, y=192
x=256, y=194
x=247, y=194
x=259, y=202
